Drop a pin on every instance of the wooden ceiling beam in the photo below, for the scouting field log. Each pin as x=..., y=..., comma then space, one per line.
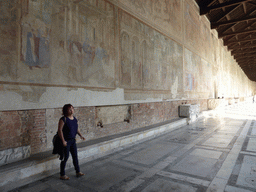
x=226, y=14
x=217, y=24
x=252, y=3
x=244, y=57
x=248, y=25
x=253, y=61
x=242, y=47
x=246, y=60
x=233, y=53
x=237, y=33
x=205, y=10
x=227, y=43
x=242, y=62
x=207, y=3
x=244, y=6
x=248, y=66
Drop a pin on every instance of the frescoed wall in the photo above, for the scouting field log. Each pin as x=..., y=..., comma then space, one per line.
x=137, y=46
x=149, y=60
x=71, y=38
x=147, y=56
x=9, y=31
x=168, y=13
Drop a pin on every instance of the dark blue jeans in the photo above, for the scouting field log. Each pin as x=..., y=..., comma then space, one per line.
x=71, y=147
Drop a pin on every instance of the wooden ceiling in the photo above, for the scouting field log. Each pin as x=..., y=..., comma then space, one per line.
x=235, y=21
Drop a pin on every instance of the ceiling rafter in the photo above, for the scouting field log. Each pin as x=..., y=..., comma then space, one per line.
x=245, y=59
x=227, y=16
x=240, y=53
x=205, y=10
x=252, y=3
x=227, y=43
x=245, y=56
x=229, y=12
x=217, y=24
x=247, y=65
x=242, y=47
x=207, y=3
x=237, y=33
x=244, y=63
x=251, y=58
x=235, y=23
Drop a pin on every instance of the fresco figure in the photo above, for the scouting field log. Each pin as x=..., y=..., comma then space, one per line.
x=190, y=82
x=89, y=54
x=36, y=49
x=100, y=54
x=76, y=61
x=30, y=57
x=44, y=52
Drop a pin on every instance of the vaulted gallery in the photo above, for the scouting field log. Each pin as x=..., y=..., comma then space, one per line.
x=122, y=64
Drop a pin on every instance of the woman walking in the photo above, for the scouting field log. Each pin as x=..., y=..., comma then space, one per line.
x=67, y=130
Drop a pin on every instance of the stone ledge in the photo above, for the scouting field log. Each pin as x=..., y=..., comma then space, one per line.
x=14, y=154
x=45, y=164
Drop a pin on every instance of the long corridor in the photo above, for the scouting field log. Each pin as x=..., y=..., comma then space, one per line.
x=216, y=153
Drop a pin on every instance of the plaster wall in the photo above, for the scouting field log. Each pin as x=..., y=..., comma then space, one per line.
x=116, y=53
x=88, y=52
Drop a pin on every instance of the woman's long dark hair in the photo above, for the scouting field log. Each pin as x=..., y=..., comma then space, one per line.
x=65, y=109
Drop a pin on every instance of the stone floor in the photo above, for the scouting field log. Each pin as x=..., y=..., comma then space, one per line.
x=217, y=153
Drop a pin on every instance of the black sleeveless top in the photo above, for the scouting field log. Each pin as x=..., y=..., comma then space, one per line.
x=70, y=128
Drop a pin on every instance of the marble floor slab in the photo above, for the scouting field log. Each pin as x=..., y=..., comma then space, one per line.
x=151, y=154
x=196, y=165
x=207, y=153
x=219, y=140
x=251, y=145
x=247, y=174
x=161, y=185
x=253, y=132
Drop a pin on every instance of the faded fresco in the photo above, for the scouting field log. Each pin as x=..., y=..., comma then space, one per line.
x=35, y=34
x=134, y=47
x=192, y=27
x=216, y=58
x=198, y=74
x=86, y=45
x=74, y=40
x=9, y=13
x=166, y=15
x=149, y=60
x=34, y=59
x=84, y=40
x=205, y=40
x=205, y=78
x=192, y=63
x=56, y=42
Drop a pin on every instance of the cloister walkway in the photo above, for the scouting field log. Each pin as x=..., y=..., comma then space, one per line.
x=216, y=153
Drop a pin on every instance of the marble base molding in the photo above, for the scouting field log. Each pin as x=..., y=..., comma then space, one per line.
x=14, y=154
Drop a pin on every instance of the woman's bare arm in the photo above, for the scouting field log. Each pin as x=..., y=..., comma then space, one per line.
x=60, y=132
x=79, y=133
